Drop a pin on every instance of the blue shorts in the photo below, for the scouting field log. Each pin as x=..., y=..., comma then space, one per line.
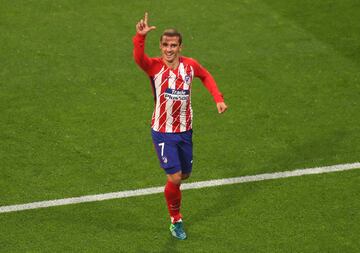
x=174, y=150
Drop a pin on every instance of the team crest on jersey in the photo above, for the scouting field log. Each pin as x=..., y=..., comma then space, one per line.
x=187, y=79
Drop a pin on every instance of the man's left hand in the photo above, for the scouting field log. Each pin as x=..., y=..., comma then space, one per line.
x=222, y=107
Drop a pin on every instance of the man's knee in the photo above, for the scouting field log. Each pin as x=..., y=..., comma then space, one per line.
x=175, y=178
x=185, y=176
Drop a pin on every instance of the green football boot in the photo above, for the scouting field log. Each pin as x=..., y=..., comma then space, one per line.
x=177, y=230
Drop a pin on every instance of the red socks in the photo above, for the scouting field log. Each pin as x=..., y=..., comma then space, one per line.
x=173, y=199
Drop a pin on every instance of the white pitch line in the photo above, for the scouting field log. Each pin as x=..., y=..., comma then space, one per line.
x=186, y=186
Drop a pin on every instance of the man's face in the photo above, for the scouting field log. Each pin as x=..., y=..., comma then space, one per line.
x=170, y=48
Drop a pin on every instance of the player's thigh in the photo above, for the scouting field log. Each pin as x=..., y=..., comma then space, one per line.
x=167, y=151
x=186, y=153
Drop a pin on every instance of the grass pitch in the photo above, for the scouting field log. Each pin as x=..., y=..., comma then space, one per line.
x=307, y=214
x=75, y=113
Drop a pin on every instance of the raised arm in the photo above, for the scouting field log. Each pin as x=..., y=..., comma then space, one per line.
x=142, y=28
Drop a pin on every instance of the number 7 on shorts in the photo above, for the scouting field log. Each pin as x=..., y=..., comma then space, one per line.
x=162, y=145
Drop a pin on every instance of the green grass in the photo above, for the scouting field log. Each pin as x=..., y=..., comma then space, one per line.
x=308, y=214
x=75, y=109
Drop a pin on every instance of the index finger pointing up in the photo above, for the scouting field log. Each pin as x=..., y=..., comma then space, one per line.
x=146, y=18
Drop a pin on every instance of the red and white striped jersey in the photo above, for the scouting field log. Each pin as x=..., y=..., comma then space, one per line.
x=172, y=89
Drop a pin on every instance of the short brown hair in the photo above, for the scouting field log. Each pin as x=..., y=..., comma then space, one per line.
x=171, y=32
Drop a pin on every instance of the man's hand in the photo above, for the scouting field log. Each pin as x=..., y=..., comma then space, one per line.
x=222, y=107
x=142, y=26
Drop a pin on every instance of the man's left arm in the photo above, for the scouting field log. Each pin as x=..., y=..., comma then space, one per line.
x=210, y=84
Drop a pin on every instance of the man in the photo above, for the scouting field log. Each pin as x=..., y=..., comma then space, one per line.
x=171, y=76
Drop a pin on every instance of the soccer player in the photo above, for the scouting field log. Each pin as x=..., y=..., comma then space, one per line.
x=171, y=77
